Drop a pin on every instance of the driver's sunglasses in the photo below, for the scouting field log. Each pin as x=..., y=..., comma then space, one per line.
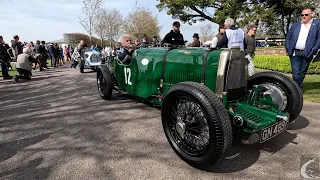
x=304, y=15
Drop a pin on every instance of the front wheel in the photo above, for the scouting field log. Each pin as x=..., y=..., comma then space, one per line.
x=196, y=125
x=287, y=93
x=104, y=83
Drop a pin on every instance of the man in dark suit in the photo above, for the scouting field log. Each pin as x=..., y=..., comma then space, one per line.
x=302, y=43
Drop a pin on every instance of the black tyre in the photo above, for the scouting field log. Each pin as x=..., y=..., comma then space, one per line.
x=81, y=66
x=104, y=83
x=293, y=98
x=196, y=125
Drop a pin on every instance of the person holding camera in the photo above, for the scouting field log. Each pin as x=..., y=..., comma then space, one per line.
x=24, y=64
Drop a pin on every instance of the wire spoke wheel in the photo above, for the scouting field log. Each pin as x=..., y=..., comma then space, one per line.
x=189, y=127
x=196, y=124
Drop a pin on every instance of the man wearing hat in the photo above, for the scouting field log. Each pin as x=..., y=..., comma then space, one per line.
x=174, y=37
x=196, y=41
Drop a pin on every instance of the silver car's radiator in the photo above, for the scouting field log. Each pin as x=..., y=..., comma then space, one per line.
x=95, y=58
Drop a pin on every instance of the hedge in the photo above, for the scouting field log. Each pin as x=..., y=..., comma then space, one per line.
x=281, y=63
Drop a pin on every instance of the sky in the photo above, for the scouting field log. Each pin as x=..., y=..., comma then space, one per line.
x=49, y=19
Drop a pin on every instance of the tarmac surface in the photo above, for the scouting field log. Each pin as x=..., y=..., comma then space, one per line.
x=56, y=126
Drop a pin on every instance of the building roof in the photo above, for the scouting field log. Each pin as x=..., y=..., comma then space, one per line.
x=58, y=41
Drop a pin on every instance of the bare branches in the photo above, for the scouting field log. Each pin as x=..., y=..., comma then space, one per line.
x=206, y=32
x=108, y=24
x=90, y=9
x=141, y=22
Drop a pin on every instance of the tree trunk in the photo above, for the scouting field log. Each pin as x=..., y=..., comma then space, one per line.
x=287, y=25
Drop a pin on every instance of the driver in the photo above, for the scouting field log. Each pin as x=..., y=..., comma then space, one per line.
x=126, y=52
x=174, y=37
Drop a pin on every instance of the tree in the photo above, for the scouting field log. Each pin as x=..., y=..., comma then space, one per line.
x=113, y=24
x=206, y=33
x=141, y=22
x=108, y=24
x=90, y=9
x=99, y=25
x=192, y=11
x=275, y=16
x=286, y=12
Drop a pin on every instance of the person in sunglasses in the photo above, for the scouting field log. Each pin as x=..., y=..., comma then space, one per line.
x=302, y=43
x=250, y=47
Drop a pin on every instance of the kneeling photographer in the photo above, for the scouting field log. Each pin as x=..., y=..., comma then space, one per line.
x=24, y=64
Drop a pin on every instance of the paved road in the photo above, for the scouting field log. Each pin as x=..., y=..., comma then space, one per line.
x=57, y=127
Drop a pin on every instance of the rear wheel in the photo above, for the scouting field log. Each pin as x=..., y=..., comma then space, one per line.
x=287, y=94
x=196, y=125
x=104, y=83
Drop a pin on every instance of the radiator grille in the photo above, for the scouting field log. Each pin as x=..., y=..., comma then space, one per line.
x=94, y=58
x=174, y=76
x=241, y=111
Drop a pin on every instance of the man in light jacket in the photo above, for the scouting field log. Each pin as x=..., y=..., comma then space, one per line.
x=24, y=65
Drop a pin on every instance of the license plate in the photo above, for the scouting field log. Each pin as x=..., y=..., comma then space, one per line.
x=274, y=130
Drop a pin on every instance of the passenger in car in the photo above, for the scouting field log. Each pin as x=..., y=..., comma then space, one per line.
x=196, y=41
x=126, y=52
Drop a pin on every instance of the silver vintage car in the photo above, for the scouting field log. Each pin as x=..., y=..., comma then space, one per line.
x=91, y=60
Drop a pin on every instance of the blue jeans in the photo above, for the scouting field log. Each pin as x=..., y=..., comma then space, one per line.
x=300, y=66
x=4, y=69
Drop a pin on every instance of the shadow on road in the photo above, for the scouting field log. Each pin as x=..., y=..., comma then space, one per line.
x=9, y=149
x=299, y=123
x=82, y=125
x=28, y=171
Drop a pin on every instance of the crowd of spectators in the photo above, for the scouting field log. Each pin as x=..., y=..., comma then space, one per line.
x=28, y=56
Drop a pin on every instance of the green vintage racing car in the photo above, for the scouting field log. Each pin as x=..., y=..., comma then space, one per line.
x=206, y=98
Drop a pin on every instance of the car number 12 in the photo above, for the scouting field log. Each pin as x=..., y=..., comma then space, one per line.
x=127, y=75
